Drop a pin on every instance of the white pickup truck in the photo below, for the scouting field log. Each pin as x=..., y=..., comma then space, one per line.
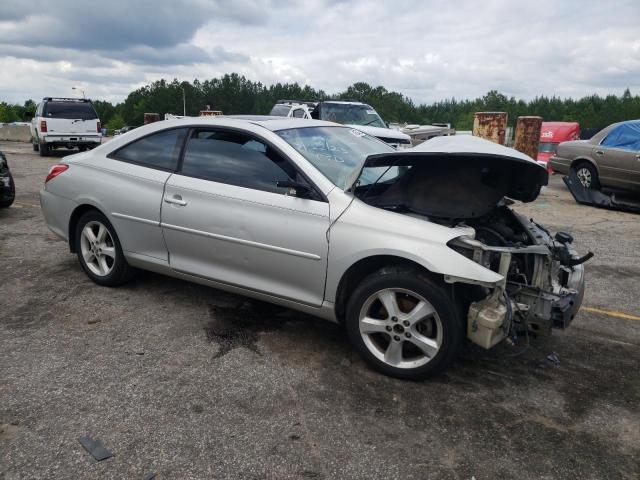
x=65, y=122
x=353, y=114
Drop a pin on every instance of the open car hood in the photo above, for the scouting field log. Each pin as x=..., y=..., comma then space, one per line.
x=454, y=177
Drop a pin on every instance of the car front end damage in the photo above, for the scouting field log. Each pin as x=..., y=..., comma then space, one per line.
x=542, y=286
x=470, y=182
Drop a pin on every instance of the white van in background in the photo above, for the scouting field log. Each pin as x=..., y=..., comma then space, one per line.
x=65, y=122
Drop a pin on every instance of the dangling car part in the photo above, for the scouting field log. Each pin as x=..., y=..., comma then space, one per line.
x=466, y=182
x=599, y=198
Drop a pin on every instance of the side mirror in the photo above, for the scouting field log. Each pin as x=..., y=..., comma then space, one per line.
x=295, y=189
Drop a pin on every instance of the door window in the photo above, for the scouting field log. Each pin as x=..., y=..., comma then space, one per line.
x=299, y=113
x=236, y=159
x=159, y=150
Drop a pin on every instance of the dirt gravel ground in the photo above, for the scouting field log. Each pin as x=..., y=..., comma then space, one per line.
x=183, y=381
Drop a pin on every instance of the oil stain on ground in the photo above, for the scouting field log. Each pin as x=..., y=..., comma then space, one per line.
x=240, y=325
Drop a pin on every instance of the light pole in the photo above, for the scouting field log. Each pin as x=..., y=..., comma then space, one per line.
x=184, y=102
x=76, y=88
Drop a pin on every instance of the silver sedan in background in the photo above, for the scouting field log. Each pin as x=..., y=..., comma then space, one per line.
x=412, y=250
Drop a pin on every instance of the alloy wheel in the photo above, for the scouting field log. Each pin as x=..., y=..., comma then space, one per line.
x=400, y=328
x=97, y=248
x=584, y=176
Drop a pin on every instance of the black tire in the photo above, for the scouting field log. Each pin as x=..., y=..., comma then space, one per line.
x=35, y=146
x=120, y=271
x=82, y=149
x=414, y=281
x=44, y=150
x=587, y=175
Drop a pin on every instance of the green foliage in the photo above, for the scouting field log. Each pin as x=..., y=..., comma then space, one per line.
x=116, y=122
x=235, y=94
x=16, y=113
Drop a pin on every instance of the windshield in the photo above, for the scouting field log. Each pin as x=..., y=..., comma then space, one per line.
x=338, y=152
x=351, y=114
x=70, y=110
x=548, y=148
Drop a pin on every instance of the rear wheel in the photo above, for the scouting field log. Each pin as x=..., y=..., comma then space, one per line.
x=404, y=324
x=82, y=148
x=99, y=250
x=587, y=175
x=44, y=150
x=35, y=146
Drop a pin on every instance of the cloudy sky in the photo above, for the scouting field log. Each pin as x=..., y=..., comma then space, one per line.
x=428, y=50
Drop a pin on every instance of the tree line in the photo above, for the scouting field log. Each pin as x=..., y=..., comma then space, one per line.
x=235, y=94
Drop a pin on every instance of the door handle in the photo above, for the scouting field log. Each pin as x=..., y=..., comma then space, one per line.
x=175, y=200
x=599, y=152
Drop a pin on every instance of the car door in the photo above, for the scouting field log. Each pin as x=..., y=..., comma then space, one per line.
x=618, y=157
x=224, y=218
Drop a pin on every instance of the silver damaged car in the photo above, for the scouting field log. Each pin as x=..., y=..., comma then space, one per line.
x=413, y=251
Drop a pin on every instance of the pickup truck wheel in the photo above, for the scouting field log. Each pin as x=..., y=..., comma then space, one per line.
x=82, y=149
x=99, y=250
x=36, y=147
x=44, y=150
x=587, y=175
x=404, y=324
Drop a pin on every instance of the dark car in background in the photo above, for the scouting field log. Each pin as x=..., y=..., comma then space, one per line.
x=610, y=159
x=7, y=187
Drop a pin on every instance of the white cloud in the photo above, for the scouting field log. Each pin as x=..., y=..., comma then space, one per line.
x=427, y=50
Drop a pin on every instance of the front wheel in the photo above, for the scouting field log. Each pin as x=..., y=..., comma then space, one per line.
x=404, y=324
x=99, y=251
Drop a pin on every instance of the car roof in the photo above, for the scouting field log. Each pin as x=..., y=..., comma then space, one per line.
x=272, y=123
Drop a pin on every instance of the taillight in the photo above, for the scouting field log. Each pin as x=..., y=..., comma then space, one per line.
x=99, y=127
x=43, y=126
x=56, y=170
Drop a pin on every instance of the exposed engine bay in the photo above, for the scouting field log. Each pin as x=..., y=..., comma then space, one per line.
x=543, y=278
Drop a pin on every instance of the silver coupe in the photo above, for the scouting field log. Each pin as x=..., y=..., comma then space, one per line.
x=413, y=251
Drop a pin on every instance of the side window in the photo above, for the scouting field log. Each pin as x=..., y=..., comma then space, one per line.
x=299, y=113
x=625, y=137
x=236, y=159
x=158, y=150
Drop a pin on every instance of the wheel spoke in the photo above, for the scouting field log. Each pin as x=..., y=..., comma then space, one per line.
x=372, y=325
x=419, y=312
x=88, y=233
x=109, y=251
x=102, y=233
x=102, y=264
x=427, y=345
x=388, y=299
x=88, y=256
x=393, y=354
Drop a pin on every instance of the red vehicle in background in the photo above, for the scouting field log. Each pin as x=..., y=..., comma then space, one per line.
x=553, y=133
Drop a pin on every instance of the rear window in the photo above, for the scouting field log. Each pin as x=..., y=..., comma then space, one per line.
x=548, y=148
x=158, y=150
x=70, y=110
x=280, y=110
